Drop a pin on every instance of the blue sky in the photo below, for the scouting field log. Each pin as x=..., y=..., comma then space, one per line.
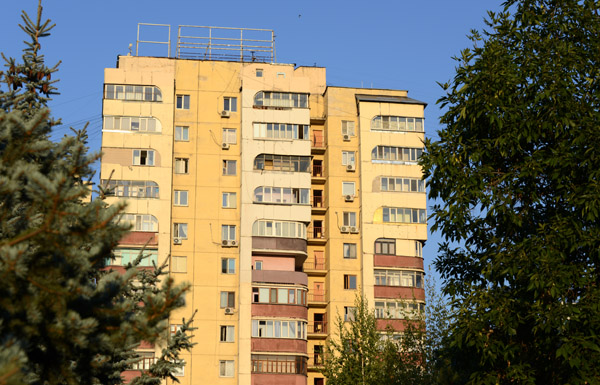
x=396, y=44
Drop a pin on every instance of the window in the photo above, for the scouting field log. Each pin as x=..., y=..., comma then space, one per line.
x=398, y=123
x=174, y=328
x=281, y=131
x=230, y=104
x=125, y=256
x=228, y=265
x=281, y=195
x=131, y=188
x=228, y=233
x=182, y=133
x=386, y=277
x=280, y=99
x=350, y=250
x=130, y=92
x=258, y=265
x=348, y=127
x=180, y=198
x=180, y=230
x=385, y=246
x=229, y=135
x=264, y=363
x=398, y=310
x=131, y=123
x=181, y=165
x=268, y=228
x=349, y=312
x=141, y=222
x=226, y=368
x=279, y=329
x=348, y=188
x=348, y=158
x=349, y=281
x=227, y=299
x=419, y=249
x=178, y=264
x=229, y=167
x=404, y=215
x=396, y=154
x=259, y=73
x=146, y=360
x=272, y=162
x=402, y=184
x=349, y=218
x=279, y=295
x=183, y=102
x=227, y=333
x=143, y=157
x=229, y=200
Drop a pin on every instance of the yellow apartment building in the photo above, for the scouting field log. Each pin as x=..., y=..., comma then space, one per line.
x=277, y=197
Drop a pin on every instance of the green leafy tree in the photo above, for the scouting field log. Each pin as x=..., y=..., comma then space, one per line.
x=64, y=319
x=516, y=172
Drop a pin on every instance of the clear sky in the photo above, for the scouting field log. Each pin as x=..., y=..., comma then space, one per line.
x=397, y=44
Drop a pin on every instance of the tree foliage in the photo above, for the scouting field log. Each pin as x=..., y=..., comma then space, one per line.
x=63, y=318
x=517, y=173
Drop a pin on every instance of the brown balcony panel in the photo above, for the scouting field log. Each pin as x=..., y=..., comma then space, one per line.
x=280, y=276
x=281, y=345
x=282, y=246
x=403, y=292
x=140, y=238
x=381, y=260
x=129, y=375
x=273, y=310
x=398, y=325
x=278, y=379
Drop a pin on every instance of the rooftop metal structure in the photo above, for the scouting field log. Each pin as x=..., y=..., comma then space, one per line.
x=215, y=43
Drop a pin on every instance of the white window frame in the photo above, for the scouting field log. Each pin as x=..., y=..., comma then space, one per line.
x=229, y=200
x=145, y=156
x=180, y=230
x=227, y=265
x=348, y=158
x=348, y=128
x=349, y=218
x=228, y=232
x=182, y=133
x=349, y=188
x=349, y=313
x=180, y=198
x=227, y=333
x=230, y=103
x=224, y=297
x=182, y=102
x=227, y=168
x=229, y=135
x=226, y=368
x=349, y=251
x=182, y=162
x=179, y=264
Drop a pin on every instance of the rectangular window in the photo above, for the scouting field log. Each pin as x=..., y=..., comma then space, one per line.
x=181, y=165
x=385, y=246
x=146, y=359
x=180, y=198
x=178, y=264
x=229, y=167
x=230, y=135
x=258, y=265
x=230, y=104
x=183, y=102
x=229, y=200
x=259, y=73
x=143, y=157
x=347, y=127
x=349, y=312
x=182, y=133
x=228, y=265
x=227, y=333
x=350, y=250
x=348, y=158
x=228, y=233
x=180, y=230
x=227, y=299
x=349, y=281
x=419, y=249
x=348, y=188
x=226, y=368
x=349, y=218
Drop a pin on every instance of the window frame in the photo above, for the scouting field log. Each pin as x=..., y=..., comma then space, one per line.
x=384, y=243
x=180, y=230
x=149, y=158
x=230, y=103
x=181, y=198
x=350, y=282
x=227, y=333
x=182, y=134
x=227, y=297
x=349, y=219
x=227, y=134
x=229, y=228
x=226, y=368
x=227, y=167
x=350, y=247
x=186, y=165
x=228, y=266
x=182, y=101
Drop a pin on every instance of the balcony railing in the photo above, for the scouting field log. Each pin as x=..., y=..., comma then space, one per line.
x=315, y=360
x=317, y=141
x=314, y=264
x=318, y=201
x=318, y=171
x=315, y=232
x=318, y=327
x=317, y=297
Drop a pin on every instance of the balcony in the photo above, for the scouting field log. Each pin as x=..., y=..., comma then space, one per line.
x=315, y=267
x=316, y=235
x=315, y=362
x=318, y=204
x=318, y=174
x=317, y=329
x=318, y=299
x=317, y=143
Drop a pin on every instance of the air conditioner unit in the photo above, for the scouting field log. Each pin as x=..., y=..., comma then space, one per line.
x=349, y=198
x=233, y=243
x=225, y=146
x=225, y=242
x=353, y=229
x=350, y=167
x=225, y=114
x=177, y=241
x=228, y=310
x=344, y=229
x=346, y=138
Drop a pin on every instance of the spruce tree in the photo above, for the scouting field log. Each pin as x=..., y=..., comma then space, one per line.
x=65, y=319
